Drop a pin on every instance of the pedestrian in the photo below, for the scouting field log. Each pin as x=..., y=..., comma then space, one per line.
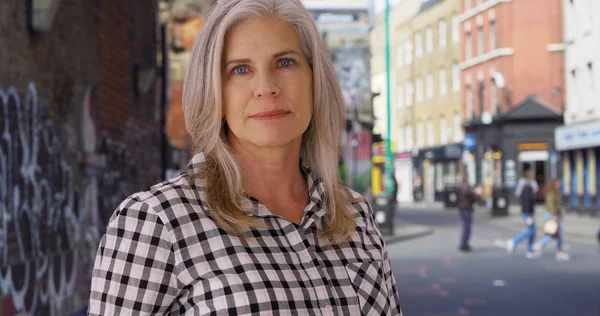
x=554, y=216
x=466, y=198
x=526, y=191
x=259, y=222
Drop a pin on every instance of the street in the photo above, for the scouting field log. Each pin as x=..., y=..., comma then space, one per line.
x=435, y=279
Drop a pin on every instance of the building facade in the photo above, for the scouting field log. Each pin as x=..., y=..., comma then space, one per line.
x=402, y=86
x=433, y=90
x=344, y=26
x=511, y=59
x=579, y=139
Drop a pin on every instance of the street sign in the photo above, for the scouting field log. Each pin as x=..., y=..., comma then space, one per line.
x=470, y=142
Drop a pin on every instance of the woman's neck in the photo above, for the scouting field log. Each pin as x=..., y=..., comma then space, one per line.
x=271, y=174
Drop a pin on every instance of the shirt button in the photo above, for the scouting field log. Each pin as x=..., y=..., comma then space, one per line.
x=307, y=258
x=328, y=308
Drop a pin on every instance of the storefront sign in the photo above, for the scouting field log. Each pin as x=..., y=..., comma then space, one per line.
x=532, y=146
x=470, y=142
x=584, y=135
x=534, y=155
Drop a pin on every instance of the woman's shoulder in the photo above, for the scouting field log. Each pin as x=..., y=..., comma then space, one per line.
x=167, y=201
x=361, y=206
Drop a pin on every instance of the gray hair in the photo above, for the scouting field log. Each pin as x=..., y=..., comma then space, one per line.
x=203, y=108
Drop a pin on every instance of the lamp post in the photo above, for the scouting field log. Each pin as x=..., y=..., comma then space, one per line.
x=389, y=179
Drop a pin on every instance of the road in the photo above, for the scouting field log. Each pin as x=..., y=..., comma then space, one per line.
x=434, y=279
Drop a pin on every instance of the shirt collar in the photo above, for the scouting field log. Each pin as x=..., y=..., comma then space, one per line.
x=316, y=191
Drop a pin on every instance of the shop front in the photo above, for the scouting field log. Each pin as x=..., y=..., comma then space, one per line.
x=404, y=177
x=505, y=144
x=579, y=146
x=434, y=169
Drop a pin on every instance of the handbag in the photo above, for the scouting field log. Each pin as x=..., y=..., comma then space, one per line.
x=551, y=227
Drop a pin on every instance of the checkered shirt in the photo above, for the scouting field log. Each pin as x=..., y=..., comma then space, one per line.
x=162, y=254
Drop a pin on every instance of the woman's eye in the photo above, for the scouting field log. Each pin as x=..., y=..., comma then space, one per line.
x=240, y=70
x=286, y=62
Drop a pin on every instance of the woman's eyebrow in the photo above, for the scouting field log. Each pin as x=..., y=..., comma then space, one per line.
x=247, y=60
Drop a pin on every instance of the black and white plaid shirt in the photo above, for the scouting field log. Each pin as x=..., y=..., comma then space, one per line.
x=163, y=254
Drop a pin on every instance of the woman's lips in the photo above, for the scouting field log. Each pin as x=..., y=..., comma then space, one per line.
x=269, y=115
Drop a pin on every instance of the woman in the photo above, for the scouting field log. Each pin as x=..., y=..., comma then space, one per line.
x=554, y=206
x=259, y=223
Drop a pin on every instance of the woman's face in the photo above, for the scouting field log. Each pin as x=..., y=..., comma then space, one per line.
x=267, y=84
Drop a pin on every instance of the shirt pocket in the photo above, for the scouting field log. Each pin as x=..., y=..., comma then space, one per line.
x=369, y=284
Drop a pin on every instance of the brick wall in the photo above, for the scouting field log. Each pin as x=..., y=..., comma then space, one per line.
x=80, y=139
x=532, y=68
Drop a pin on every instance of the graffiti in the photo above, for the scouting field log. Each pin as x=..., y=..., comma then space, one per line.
x=57, y=191
x=352, y=70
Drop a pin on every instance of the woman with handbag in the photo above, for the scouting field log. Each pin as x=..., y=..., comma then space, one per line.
x=553, y=225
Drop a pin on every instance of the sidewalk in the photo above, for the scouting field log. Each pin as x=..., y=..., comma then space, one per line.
x=575, y=225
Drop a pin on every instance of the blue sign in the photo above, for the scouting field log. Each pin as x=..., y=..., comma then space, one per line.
x=470, y=142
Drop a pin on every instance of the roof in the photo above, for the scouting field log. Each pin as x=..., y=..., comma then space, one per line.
x=532, y=107
x=428, y=4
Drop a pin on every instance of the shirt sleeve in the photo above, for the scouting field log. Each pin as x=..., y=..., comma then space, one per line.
x=133, y=270
x=519, y=188
x=534, y=186
x=388, y=273
x=391, y=284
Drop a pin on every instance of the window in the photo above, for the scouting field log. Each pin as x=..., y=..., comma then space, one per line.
x=420, y=135
x=399, y=56
x=429, y=40
x=429, y=84
x=439, y=177
x=442, y=35
x=430, y=133
x=494, y=98
x=493, y=30
x=419, y=83
x=418, y=45
x=400, y=97
x=408, y=133
x=455, y=29
x=457, y=128
x=443, y=82
x=468, y=46
x=574, y=104
x=443, y=130
x=480, y=41
x=468, y=4
x=592, y=84
x=408, y=50
x=400, y=140
x=408, y=94
x=455, y=78
x=469, y=101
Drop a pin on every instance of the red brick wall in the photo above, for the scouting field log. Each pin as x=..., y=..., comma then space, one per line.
x=527, y=27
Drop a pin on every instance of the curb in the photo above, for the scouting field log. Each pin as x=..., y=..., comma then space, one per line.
x=406, y=237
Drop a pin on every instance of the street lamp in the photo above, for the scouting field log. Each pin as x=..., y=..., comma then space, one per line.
x=389, y=179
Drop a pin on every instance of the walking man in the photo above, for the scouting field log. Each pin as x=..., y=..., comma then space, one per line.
x=526, y=191
x=466, y=198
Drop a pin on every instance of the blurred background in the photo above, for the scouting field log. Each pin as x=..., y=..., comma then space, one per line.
x=90, y=112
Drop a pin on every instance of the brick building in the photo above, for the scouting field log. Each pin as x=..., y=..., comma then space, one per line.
x=80, y=102
x=512, y=72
